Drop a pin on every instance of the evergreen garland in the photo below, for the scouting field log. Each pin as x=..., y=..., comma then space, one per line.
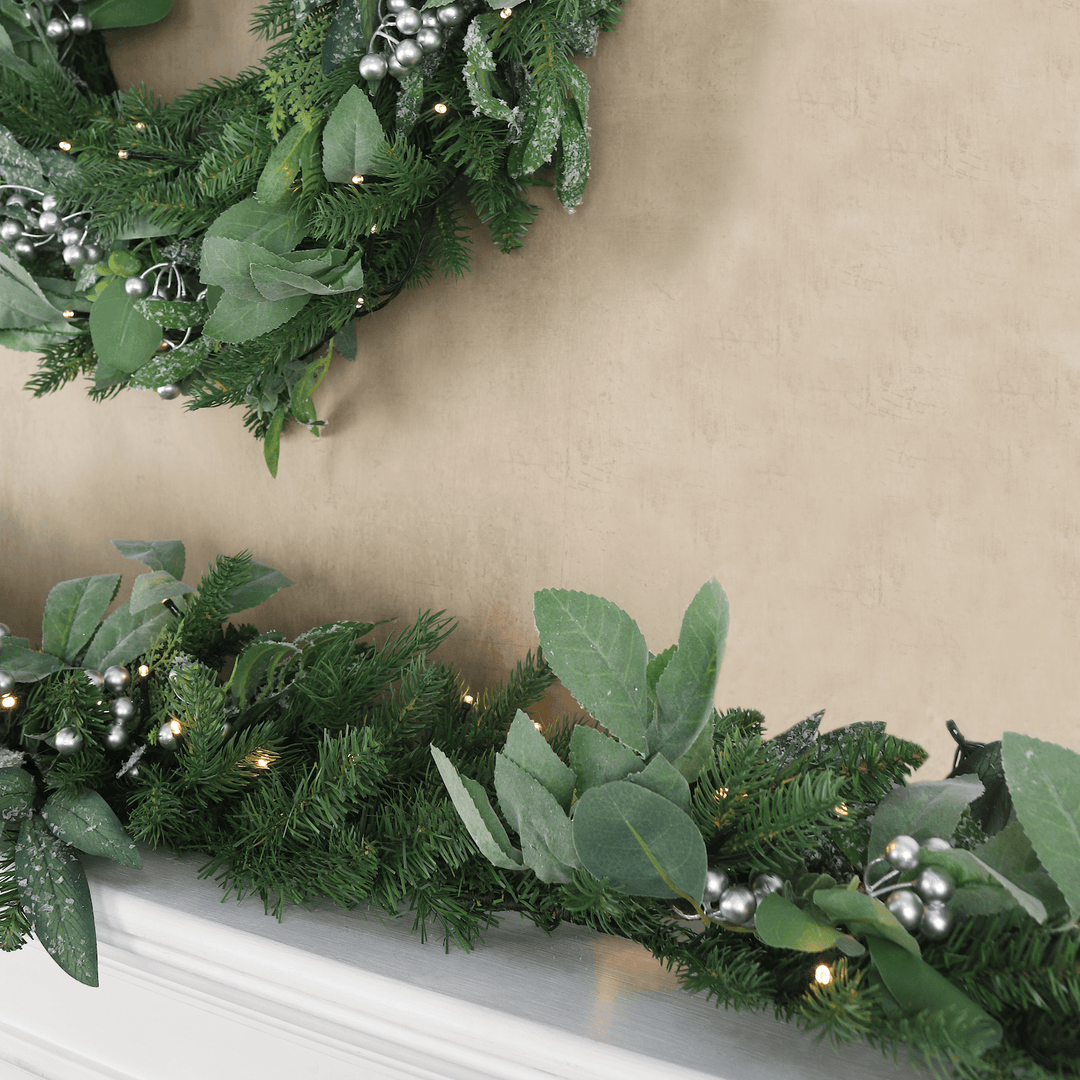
x=368, y=177
x=353, y=765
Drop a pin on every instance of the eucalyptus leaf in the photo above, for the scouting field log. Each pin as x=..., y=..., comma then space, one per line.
x=353, y=139
x=685, y=689
x=922, y=810
x=640, y=841
x=56, y=898
x=527, y=748
x=110, y=14
x=920, y=988
x=597, y=758
x=167, y=555
x=123, y=339
x=785, y=925
x=73, y=611
x=155, y=588
x=124, y=636
x=547, y=845
x=1044, y=782
x=87, y=822
x=472, y=804
x=864, y=916
x=25, y=664
x=699, y=755
x=599, y=653
x=965, y=867
x=663, y=778
x=272, y=440
x=345, y=340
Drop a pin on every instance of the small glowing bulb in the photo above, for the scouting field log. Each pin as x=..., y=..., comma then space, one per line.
x=441, y=108
x=122, y=155
x=359, y=302
x=140, y=126
x=374, y=228
x=65, y=146
x=144, y=670
x=8, y=701
x=840, y=810
x=177, y=727
x=469, y=699
x=506, y=13
x=165, y=346
x=536, y=725
x=358, y=178
x=721, y=793
x=262, y=763
x=823, y=974
x=69, y=314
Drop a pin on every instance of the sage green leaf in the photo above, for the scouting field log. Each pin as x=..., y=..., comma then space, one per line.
x=980, y=900
x=599, y=653
x=73, y=611
x=124, y=636
x=275, y=186
x=123, y=263
x=17, y=792
x=235, y=320
x=922, y=810
x=966, y=868
x=87, y=822
x=656, y=667
x=345, y=340
x=25, y=664
x=685, y=690
x=256, y=667
x=23, y=305
x=34, y=341
x=56, y=898
x=572, y=167
x=527, y=748
x=864, y=916
x=155, y=588
x=272, y=440
x=547, y=845
x=598, y=759
x=350, y=32
x=353, y=139
x=640, y=841
x=262, y=582
x=785, y=925
x=167, y=555
x=140, y=227
x=17, y=164
x=1044, y=782
x=109, y=14
x=1010, y=853
x=276, y=283
x=173, y=314
x=918, y=988
x=699, y=755
x=172, y=366
x=663, y=778
x=229, y=264
x=472, y=804
x=275, y=229
x=123, y=339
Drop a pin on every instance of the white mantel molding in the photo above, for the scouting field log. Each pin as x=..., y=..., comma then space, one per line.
x=191, y=987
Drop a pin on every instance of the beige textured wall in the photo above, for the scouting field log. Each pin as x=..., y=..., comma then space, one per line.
x=813, y=330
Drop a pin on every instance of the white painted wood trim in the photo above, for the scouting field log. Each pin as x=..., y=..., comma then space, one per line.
x=193, y=987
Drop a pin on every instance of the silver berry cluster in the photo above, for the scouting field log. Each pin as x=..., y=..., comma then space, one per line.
x=61, y=27
x=409, y=33
x=114, y=680
x=48, y=227
x=730, y=902
x=922, y=905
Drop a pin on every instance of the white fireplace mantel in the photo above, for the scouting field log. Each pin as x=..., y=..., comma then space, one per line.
x=193, y=987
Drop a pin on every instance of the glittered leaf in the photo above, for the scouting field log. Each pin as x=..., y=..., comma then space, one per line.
x=173, y=314
x=17, y=164
x=172, y=366
x=350, y=32
x=17, y=790
x=572, y=171
x=87, y=822
x=56, y=898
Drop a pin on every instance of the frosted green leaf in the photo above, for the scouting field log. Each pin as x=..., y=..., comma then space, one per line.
x=864, y=916
x=597, y=758
x=109, y=14
x=262, y=582
x=527, y=747
x=269, y=227
x=25, y=664
x=663, y=778
x=73, y=611
x=87, y=822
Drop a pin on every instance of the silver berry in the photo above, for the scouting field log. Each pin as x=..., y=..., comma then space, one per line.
x=94, y=253
x=716, y=884
x=934, y=884
x=429, y=18
x=935, y=843
x=68, y=741
x=49, y=202
x=907, y=907
x=764, y=884
x=7, y=681
x=94, y=678
x=738, y=905
x=123, y=710
x=117, y=737
x=373, y=67
x=10, y=231
x=116, y=678
x=169, y=391
x=167, y=738
x=18, y=199
x=49, y=222
x=24, y=249
x=71, y=236
x=57, y=29
x=937, y=921
x=395, y=6
x=408, y=20
x=902, y=852
x=137, y=286
x=74, y=255
x=408, y=54
x=80, y=24
x=429, y=38
x=451, y=14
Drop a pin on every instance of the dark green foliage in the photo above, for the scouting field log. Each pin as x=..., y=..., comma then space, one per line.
x=62, y=362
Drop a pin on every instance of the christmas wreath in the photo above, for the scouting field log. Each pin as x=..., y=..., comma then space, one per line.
x=801, y=873
x=220, y=245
